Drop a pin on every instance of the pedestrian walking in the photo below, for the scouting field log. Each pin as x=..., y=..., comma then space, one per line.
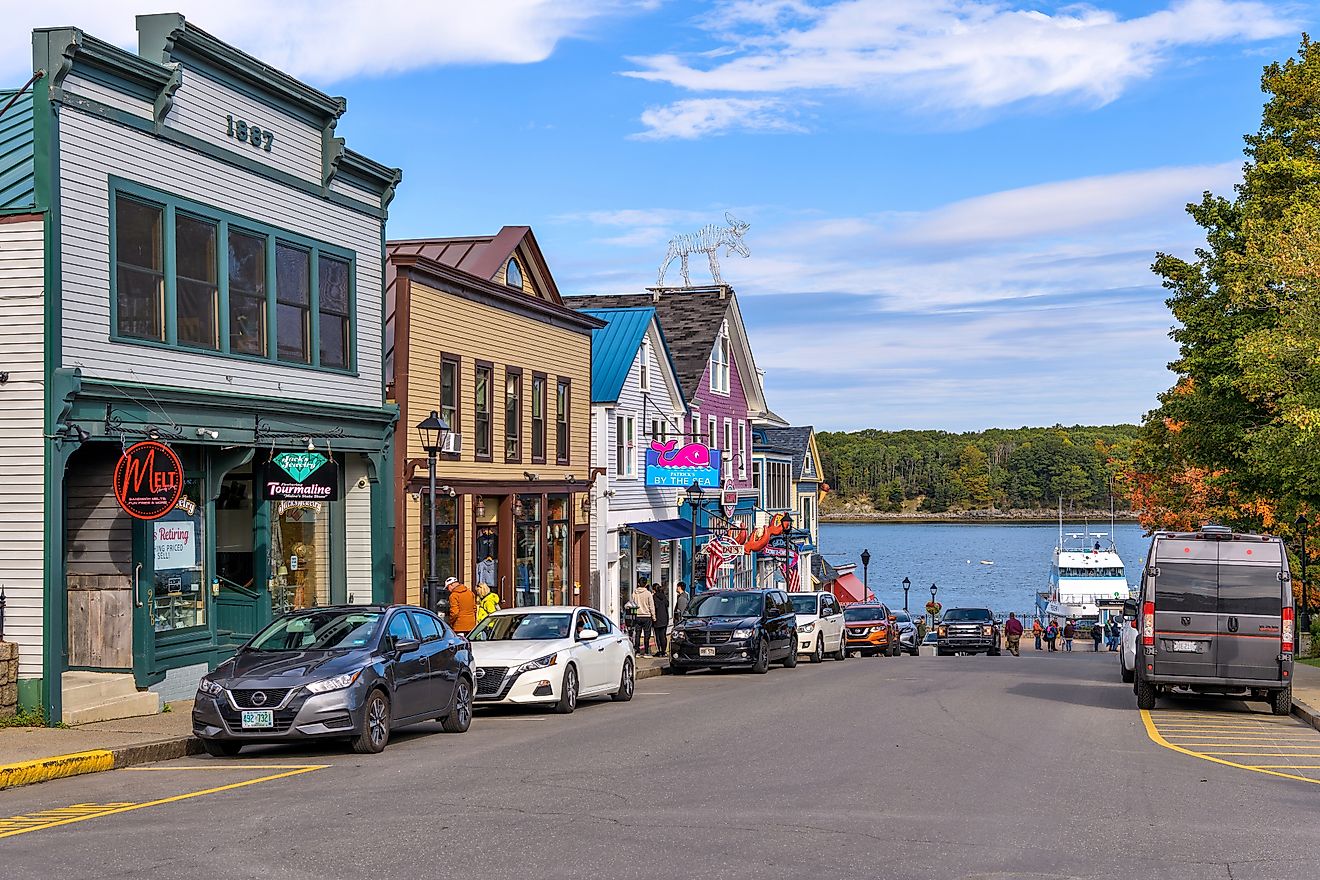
x=1095, y=636
x=1052, y=635
x=487, y=602
x=644, y=620
x=462, y=607
x=1013, y=633
x=1115, y=633
x=1038, y=631
x=660, y=598
x=1069, y=633
x=681, y=602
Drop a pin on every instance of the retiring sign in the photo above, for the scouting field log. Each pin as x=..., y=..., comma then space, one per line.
x=148, y=480
x=300, y=476
x=678, y=468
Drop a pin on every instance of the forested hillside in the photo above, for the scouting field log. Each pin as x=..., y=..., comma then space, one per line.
x=1004, y=469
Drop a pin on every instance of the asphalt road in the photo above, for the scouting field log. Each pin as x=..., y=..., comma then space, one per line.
x=874, y=767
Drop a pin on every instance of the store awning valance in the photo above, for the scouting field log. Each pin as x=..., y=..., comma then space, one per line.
x=668, y=529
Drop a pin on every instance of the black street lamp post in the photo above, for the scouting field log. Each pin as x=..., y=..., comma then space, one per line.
x=933, y=588
x=431, y=431
x=866, y=569
x=907, y=585
x=1303, y=619
x=696, y=498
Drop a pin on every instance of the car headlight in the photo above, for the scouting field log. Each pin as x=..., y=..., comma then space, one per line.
x=207, y=686
x=806, y=628
x=743, y=633
x=987, y=630
x=538, y=663
x=338, y=683
x=944, y=631
x=877, y=629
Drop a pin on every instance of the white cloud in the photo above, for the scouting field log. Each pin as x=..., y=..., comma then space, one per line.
x=698, y=117
x=328, y=42
x=965, y=56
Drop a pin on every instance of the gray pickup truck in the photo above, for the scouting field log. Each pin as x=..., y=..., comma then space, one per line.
x=967, y=631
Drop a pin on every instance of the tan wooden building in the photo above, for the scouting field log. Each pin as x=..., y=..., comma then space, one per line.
x=477, y=331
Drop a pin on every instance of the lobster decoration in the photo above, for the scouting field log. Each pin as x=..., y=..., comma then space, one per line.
x=756, y=540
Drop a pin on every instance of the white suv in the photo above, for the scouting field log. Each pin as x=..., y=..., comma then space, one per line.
x=820, y=627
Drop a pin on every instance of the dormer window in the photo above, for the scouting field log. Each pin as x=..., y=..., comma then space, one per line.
x=513, y=275
x=719, y=362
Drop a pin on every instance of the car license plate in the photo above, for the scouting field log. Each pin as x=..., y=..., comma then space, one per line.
x=1186, y=647
x=258, y=719
x=706, y=652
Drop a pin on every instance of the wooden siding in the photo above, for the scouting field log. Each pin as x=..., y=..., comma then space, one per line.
x=22, y=467
x=200, y=107
x=347, y=189
x=92, y=150
x=357, y=527
x=77, y=85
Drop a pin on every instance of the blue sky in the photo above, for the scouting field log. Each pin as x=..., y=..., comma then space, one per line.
x=953, y=203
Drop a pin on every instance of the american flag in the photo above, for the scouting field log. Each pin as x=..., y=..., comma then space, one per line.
x=716, y=554
x=794, y=579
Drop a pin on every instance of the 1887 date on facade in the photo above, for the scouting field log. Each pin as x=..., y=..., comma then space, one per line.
x=244, y=131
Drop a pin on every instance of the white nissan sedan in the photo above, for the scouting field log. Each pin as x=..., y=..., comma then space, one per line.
x=551, y=654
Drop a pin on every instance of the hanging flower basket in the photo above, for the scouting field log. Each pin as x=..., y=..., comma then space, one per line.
x=933, y=608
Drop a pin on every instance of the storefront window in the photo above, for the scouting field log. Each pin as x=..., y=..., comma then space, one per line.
x=488, y=555
x=625, y=567
x=643, y=548
x=233, y=529
x=446, y=533
x=558, y=588
x=527, y=561
x=178, y=599
x=300, y=554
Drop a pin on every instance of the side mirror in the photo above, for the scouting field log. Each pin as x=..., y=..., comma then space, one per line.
x=893, y=620
x=1130, y=608
x=588, y=635
x=404, y=646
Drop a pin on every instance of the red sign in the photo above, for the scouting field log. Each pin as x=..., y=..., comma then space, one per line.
x=148, y=480
x=729, y=498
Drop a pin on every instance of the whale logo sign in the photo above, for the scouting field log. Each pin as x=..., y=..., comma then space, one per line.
x=670, y=466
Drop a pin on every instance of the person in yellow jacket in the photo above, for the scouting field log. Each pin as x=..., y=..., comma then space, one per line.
x=487, y=602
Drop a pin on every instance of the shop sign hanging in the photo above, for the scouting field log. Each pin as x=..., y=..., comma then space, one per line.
x=678, y=468
x=300, y=476
x=148, y=480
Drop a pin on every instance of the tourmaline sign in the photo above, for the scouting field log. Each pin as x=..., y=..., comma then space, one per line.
x=300, y=476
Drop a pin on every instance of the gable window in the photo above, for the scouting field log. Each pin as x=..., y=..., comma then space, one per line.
x=644, y=379
x=719, y=362
x=742, y=450
x=756, y=482
x=512, y=414
x=513, y=275
x=808, y=464
x=562, y=391
x=808, y=514
x=712, y=434
x=726, y=468
x=198, y=277
x=625, y=446
x=481, y=415
x=449, y=393
x=538, y=418
x=695, y=436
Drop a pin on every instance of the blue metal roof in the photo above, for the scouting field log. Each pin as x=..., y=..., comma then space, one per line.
x=614, y=348
x=17, y=153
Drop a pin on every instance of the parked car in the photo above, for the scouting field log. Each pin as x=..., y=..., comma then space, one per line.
x=552, y=654
x=1216, y=617
x=967, y=631
x=907, y=633
x=872, y=629
x=819, y=626
x=350, y=672
x=751, y=628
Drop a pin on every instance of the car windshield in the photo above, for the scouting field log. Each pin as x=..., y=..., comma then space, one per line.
x=902, y=617
x=804, y=604
x=726, y=605
x=319, y=631
x=956, y=614
x=526, y=627
x=859, y=613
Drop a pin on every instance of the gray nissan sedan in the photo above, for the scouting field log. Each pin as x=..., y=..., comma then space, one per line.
x=351, y=672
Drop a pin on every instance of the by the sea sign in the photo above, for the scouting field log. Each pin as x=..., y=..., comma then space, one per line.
x=300, y=476
x=670, y=466
x=148, y=480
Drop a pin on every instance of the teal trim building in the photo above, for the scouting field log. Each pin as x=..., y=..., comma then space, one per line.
x=189, y=257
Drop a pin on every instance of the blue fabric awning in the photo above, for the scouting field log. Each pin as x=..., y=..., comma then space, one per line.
x=668, y=529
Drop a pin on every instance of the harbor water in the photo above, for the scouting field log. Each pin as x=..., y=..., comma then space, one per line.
x=950, y=556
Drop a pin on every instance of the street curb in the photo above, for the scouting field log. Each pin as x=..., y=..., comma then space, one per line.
x=96, y=761
x=651, y=672
x=1306, y=713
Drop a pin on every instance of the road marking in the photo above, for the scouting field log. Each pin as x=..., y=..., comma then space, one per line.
x=44, y=819
x=1157, y=737
x=235, y=766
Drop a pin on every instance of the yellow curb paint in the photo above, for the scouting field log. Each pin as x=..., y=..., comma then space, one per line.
x=39, y=823
x=44, y=769
x=1158, y=739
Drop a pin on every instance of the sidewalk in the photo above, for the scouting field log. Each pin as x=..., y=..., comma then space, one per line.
x=1306, y=693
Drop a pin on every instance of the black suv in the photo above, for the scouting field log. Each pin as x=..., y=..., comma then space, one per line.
x=967, y=631
x=735, y=628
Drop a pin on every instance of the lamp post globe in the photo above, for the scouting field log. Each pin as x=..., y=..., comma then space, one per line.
x=431, y=433
x=907, y=585
x=866, y=568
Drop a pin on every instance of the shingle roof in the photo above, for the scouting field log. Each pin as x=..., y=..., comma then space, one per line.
x=17, y=152
x=614, y=348
x=795, y=440
x=822, y=570
x=691, y=322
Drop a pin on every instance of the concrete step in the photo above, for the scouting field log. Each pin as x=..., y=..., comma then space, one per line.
x=104, y=696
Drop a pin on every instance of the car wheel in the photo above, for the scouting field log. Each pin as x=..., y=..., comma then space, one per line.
x=1123, y=672
x=790, y=659
x=1145, y=694
x=627, y=683
x=762, y=664
x=220, y=748
x=818, y=653
x=1281, y=701
x=842, y=653
x=568, y=694
x=459, y=718
x=375, y=725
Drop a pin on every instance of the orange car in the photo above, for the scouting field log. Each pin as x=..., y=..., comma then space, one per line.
x=871, y=629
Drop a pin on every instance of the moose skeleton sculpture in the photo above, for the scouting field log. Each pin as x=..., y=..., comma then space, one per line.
x=706, y=240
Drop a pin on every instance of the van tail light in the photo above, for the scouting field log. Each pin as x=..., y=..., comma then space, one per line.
x=1148, y=624
x=1287, y=628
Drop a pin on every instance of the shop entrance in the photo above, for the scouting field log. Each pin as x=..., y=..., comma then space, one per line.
x=239, y=598
x=299, y=555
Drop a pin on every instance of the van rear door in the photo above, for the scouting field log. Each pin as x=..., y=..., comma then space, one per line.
x=1251, y=600
x=1186, y=607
